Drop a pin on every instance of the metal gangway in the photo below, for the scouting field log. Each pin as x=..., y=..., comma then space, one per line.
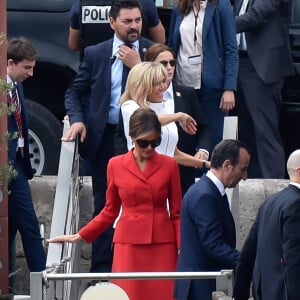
x=61, y=279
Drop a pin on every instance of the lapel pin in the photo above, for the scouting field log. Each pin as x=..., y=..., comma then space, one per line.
x=178, y=94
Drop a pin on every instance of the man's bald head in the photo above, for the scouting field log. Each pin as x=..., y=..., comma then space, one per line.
x=293, y=164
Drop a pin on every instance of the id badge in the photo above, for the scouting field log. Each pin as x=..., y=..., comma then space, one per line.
x=21, y=142
x=195, y=59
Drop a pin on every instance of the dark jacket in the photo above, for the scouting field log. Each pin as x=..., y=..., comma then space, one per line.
x=88, y=97
x=271, y=253
x=12, y=127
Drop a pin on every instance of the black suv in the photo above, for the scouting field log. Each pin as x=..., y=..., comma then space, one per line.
x=46, y=24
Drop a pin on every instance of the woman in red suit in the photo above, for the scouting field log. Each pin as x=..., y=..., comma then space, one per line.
x=146, y=237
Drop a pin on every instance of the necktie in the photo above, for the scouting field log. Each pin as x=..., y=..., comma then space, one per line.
x=125, y=72
x=226, y=201
x=17, y=112
x=15, y=101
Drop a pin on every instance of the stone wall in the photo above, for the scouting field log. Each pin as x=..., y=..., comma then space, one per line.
x=251, y=194
x=43, y=194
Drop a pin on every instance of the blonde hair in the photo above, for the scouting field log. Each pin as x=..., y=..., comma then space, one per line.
x=141, y=79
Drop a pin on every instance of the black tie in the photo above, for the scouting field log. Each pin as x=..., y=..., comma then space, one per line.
x=125, y=71
x=226, y=201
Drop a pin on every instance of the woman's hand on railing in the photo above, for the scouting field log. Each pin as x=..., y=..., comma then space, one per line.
x=72, y=238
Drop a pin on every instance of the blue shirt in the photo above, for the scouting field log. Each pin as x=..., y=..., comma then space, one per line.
x=116, y=81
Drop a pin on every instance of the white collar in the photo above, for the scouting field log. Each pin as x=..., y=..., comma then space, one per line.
x=168, y=94
x=297, y=185
x=117, y=43
x=217, y=182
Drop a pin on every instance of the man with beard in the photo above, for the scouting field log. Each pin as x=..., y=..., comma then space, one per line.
x=92, y=104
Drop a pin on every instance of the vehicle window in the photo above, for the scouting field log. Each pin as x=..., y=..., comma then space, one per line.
x=165, y=3
x=296, y=12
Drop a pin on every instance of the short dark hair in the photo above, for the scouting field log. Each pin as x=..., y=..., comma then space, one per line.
x=117, y=5
x=154, y=50
x=143, y=121
x=19, y=49
x=227, y=150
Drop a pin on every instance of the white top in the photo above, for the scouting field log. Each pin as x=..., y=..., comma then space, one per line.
x=189, y=57
x=169, y=99
x=169, y=131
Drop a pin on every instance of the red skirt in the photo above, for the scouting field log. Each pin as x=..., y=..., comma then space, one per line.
x=146, y=258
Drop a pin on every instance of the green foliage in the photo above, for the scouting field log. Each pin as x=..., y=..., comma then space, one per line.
x=7, y=172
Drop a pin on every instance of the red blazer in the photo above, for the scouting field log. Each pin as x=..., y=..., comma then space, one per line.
x=143, y=197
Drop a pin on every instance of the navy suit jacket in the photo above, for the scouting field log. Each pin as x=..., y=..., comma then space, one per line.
x=88, y=97
x=12, y=127
x=207, y=238
x=220, y=56
x=271, y=253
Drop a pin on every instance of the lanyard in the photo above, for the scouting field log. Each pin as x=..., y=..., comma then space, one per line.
x=196, y=23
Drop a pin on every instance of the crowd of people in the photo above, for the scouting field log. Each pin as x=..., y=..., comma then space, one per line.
x=148, y=115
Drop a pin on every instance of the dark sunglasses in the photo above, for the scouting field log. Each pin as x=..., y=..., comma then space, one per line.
x=145, y=143
x=172, y=62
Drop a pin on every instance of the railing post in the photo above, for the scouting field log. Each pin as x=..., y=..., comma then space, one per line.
x=230, y=131
x=36, y=286
x=225, y=282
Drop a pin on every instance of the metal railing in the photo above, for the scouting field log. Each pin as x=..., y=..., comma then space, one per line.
x=65, y=219
x=40, y=280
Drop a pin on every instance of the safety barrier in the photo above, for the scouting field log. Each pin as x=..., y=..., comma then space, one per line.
x=40, y=281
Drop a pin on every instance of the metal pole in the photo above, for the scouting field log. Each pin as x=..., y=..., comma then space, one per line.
x=3, y=160
x=224, y=278
x=141, y=275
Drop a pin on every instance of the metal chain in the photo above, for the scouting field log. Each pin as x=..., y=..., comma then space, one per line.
x=55, y=268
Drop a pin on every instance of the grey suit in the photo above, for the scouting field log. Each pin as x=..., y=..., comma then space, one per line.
x=261, y=70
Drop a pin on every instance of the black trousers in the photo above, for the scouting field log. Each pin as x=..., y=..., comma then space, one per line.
x=258, y=110
x=102, y=250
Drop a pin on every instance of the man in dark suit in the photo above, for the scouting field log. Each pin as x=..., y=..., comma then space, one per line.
x=271, y=253
x=21, y=58
x=265, y=59
x=92, y=104
x=207, y=230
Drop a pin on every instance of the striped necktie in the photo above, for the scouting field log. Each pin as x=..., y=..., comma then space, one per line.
x=15, y=101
